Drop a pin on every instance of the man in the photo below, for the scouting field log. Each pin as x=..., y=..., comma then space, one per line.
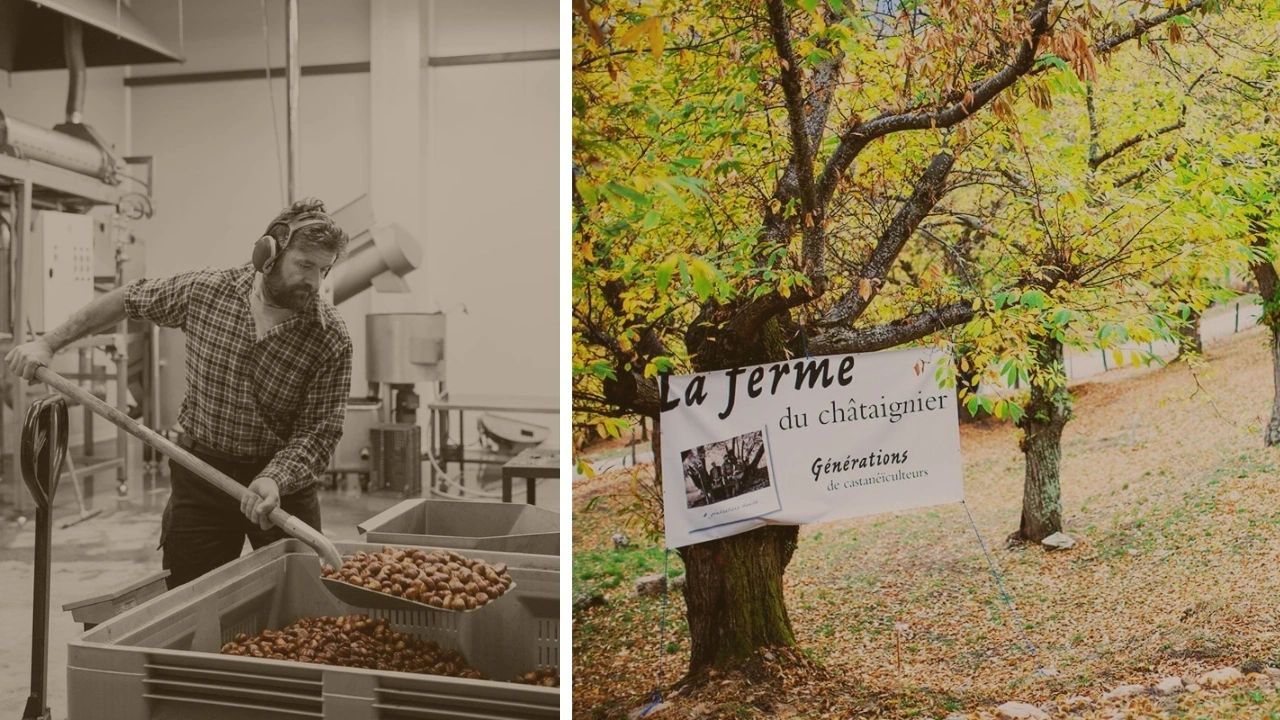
x=268, y=374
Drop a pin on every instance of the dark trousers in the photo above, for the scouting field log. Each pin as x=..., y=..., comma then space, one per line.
x=203, y=528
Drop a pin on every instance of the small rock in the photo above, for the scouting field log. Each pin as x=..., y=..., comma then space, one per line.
x=621, y=541
x=1045, y=672
x=588, y=600
x=1075, y=702
x=1021, y=711
x=1192, y=687
x=1252, y=666
x=677, y=583
x=1221, y=677
x=1169, y=685
x=1124, y=691
x=956, y=716
x=651, y=585
x=1059, y=541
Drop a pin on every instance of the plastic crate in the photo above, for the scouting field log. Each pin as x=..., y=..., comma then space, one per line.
x=161, y=660
x=467, y=524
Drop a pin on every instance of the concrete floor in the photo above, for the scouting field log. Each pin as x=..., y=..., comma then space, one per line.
x=111, y=551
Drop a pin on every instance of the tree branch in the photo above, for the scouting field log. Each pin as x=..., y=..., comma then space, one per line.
x=978, y=95
x=811, y=212
x=1142, y=25
x=928, y=191
x=1097, y=160
x=881, y=337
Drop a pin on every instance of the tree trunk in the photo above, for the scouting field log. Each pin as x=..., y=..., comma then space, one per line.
x=1190, y=335
x=1047, y=414
x=1268, y=283
x=734, y=596
x=1273, y=427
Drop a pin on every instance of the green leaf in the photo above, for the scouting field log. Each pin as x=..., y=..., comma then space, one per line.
x=1016, y=412
x=703, y=276
x=1033, y=299
x=1051, y=60
x=602, y=369
x=587, y=191
x=663, y=271
x=629, y=193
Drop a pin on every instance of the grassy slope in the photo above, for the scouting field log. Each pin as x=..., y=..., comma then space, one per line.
x=1167, y=488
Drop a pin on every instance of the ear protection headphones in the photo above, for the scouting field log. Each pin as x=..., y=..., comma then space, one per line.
x=267, y=249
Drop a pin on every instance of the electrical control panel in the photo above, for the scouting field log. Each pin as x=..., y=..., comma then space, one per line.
x=59, y=263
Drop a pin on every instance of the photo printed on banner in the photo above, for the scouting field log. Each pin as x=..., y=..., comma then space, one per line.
x=728, y=480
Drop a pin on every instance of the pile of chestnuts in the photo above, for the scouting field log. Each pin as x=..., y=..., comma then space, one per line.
x=439, y=578
x=544, y=676
x=357, y=641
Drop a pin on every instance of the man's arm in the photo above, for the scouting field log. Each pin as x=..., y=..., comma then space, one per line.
x=102, y=312
x=315, y=436
x=162, y=301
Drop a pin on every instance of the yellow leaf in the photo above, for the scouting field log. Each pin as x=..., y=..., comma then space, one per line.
x=864, y=288
x=630, y=37
x=656, y=38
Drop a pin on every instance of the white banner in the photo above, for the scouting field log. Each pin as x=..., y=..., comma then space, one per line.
x=807, y=440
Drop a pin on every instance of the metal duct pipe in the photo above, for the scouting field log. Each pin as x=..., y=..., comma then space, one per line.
x=293, y=82
x=73, y=50
x=53, y=147
x=380, y=262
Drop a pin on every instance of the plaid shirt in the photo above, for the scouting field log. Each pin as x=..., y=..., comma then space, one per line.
x=283, y=396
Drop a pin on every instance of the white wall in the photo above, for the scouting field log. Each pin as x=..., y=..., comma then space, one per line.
x=491, y=166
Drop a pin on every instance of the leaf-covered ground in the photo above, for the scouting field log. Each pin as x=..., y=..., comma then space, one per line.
x=1166, y=486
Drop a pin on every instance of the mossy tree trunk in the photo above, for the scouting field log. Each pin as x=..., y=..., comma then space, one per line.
x=1047, y=413
x=734, y=596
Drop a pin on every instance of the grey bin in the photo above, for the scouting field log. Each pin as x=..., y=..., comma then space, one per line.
x=466, y=525
x=160, y=660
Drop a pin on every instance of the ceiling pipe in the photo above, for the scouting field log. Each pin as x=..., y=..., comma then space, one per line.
x=73, y=50
x=293, y=81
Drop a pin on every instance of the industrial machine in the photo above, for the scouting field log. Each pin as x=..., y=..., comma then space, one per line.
x=401, y=349
x=66, y=197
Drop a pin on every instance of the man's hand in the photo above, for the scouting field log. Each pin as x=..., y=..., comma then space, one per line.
x=25, y=358
x=262, y=498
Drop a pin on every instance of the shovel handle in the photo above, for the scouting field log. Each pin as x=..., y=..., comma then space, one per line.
x=291, y=525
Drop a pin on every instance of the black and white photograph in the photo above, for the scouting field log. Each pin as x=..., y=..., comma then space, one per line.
x=727, y=469
x=279, y=313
